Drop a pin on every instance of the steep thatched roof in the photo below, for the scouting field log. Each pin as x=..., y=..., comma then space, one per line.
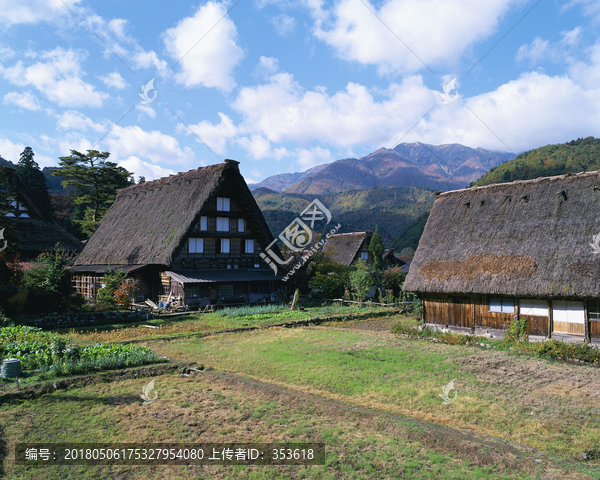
x=37, y=236
x=37, y=232
x=148, y=222
x=344, y=247
x=525, y=238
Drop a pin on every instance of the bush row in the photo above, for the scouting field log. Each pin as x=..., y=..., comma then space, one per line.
x=515, y=340
x=70, y=320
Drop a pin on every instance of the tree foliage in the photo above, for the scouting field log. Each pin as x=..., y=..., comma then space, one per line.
x=376, y=248
x=30, y=175
x=95, y=180
x=361, y=280
x=48, y=283
x=575, y=156
x=327, y=278
x=112, y=281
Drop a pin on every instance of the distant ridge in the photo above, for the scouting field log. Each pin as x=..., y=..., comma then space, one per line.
x=443, y=167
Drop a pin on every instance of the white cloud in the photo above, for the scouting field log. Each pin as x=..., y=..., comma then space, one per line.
x=215, y=136
x=540, y=50
x=146, y=110
x=114, y=80
x=10, y=151
x=588, y=74
x=313, y=157
x=73, y=120
x=25, y=100
x=266, y=67
x=205, y=47
x=32, y=11
x=282, y=111
x=437, y=31
x=284, y=24
x=154, y=145
x=535, y=109
x=6, y=53
x=58, y=77
x=144, y=169
x=114, y=34
x=259, y=147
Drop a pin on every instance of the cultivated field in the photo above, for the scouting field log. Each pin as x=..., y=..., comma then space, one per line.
x=370, y=396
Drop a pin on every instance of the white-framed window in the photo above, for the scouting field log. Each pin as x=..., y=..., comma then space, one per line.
x=196, y=245
x=533, y=307
x=241, y=225
x=364, y=255
x=224, y=245
x=249, y=246
x=222, y=224
x=502, y=304
x=223, y=204
x=203, y=223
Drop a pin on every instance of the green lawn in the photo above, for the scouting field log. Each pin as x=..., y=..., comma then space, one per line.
x=405, y=376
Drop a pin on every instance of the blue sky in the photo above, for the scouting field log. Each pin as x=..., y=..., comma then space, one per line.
x=282, y=86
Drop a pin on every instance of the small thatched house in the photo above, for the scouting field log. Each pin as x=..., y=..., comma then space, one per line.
x=196, y=235
x=390, y=259
x=346, y=248
x=35, y=228
x=491, y=254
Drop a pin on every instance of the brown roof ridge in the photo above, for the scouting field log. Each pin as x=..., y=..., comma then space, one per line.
x=517, y=182
x=159, y=182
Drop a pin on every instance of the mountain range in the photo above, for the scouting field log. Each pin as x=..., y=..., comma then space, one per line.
x=441, y=167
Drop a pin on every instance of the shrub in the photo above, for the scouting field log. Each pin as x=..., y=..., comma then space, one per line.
x=124, y=293
x=112, y=281
x=393, y=279
x=518, y=331
x=361, y=280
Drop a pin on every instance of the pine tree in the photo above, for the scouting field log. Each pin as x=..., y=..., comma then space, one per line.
x=376, y=248
x=30, y=175
x=95, y=180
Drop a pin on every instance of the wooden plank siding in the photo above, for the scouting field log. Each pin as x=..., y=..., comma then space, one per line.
x=473, y=312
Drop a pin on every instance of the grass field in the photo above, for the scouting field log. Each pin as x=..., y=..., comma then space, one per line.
x=371, y=396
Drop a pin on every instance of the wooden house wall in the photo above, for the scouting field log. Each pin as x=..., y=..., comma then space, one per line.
x=210, y=259
x=470, y=311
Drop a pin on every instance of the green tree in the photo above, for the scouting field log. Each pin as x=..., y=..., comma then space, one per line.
x=48, y=283
x=112, y=281
x=328, y=278
x=95, y=180
x=376, y=248
x=361, y=280
x=30, y=175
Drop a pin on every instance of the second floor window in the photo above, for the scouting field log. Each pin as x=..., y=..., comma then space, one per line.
x=203, y=223
x=241, y=225
x=364, y=255
x=196, y=245
x=224, y=245
x=222, y=224
x=223, y=204
x=249, y=246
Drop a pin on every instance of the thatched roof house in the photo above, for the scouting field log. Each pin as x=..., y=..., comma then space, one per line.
x=346, y=248
x=35, y=228
x=489, y=254
x=176, y=233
